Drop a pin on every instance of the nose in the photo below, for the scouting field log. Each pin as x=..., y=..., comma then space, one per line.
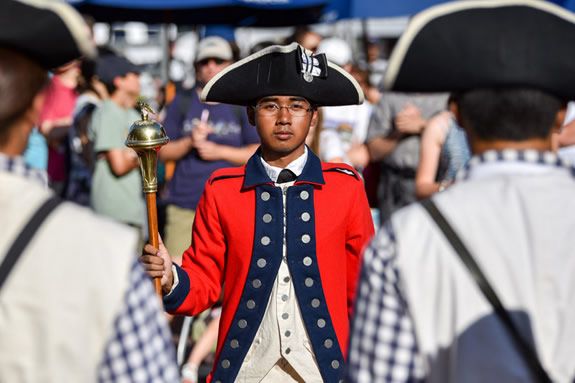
x=284, y=114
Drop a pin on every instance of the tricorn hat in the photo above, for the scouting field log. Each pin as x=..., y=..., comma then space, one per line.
x=287, y=70
x=475, y=44
x=51, y=33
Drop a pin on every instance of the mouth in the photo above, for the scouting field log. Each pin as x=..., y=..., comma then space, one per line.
x=283, y=135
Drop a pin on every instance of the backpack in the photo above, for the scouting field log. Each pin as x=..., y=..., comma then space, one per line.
x=81, y=156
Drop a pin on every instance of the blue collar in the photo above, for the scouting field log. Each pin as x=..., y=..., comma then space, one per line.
x=256, y=173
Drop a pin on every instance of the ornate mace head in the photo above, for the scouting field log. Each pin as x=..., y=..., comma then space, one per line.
x=146, y=137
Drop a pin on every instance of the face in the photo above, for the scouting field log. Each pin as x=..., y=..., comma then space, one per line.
x=130, y=84
x=282, y=133
x=206, y=69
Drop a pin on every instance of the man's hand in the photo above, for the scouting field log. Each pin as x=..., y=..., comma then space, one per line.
x=209, y=151
x=409, y=120
x=157, y=263
x=200, y=133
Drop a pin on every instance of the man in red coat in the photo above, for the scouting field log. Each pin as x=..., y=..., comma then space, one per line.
x=282, y=235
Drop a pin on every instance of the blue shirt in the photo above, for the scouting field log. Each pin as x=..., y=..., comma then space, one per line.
x=230, y=127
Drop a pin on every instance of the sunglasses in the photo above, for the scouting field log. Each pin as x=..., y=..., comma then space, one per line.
x=206, y=61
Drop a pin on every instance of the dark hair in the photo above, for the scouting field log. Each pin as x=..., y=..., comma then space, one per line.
x=513, y=114
x=21, y=79
x=87, y=73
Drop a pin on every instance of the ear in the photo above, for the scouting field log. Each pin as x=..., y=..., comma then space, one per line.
x=250, y=110
x=118, y=82
x=314, y=118
x=559, y=119
x=36, y=107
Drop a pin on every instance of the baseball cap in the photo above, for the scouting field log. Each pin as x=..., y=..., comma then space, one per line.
x=109, y=66
x=336, y=50
x=214, y=47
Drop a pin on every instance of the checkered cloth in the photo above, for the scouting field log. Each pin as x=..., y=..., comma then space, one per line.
x=17, y=165
x=383, y=346
x=140, y=349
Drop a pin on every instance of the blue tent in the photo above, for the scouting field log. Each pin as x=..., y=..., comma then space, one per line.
x=365, y=9
x=191, y=12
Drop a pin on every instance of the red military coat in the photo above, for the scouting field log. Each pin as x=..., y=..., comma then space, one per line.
x=237, y=244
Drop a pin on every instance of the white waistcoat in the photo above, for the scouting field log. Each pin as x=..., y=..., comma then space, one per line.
x=518, y=221
x=58, y=305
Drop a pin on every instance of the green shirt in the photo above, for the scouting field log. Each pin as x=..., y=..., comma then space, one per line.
x=120, y=198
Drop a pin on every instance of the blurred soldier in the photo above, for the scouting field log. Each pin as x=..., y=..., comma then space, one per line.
x=476, y=283
x=75, y=306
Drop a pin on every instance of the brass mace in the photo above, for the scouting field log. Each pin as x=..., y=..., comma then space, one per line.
x=146, y=137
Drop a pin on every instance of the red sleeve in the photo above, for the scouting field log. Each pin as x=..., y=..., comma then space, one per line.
x=360, y=230
x=204, y=260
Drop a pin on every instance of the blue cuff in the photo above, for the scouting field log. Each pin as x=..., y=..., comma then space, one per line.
x=175, y=299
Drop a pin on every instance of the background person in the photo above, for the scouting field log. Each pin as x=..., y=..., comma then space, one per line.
x=444, y=150
x=117, y=182
x=393, y=140
x=204, y=137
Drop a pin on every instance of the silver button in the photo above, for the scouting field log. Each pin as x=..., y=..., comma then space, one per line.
x=305, y=238
x=307, y=261
x=226, y=363
x=261, y=263
x=285, y=316
x=265, y=196
x=334, y=364
x=256, y=283
x=251, y=304
x=328, y=343
x=287, y=333
x=305, y=216
x=267, y=218
x=309, y=282
x=265, y=240
x=315, y=303
x=304, y=195
x=284, y=297
x=288, y=350
x=286, y=279
x=242, y=323
x=234, y=343
x=321, y=323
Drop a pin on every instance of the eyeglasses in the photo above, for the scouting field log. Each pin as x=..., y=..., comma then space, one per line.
x=271, y=108
x=207, y=61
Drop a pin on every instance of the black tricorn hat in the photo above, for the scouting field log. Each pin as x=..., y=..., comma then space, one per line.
x=287, y=70
x=52, y=33
x=476, y=44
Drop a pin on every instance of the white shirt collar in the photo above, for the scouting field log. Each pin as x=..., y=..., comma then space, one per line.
x=296, y=166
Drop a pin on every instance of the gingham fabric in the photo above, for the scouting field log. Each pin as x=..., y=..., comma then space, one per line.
x=383, y=347
x=140, y=349
x=17, y=166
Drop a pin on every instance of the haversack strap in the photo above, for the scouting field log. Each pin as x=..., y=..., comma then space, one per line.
x=25, y=236
x=526, y=351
